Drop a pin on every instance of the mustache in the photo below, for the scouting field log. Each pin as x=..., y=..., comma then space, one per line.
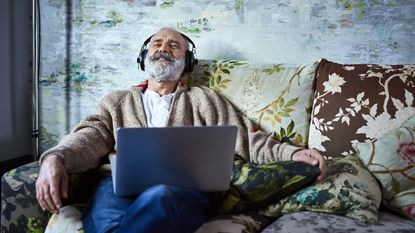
x=167, y=56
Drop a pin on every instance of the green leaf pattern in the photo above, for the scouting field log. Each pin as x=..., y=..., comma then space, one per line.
x=277, y=97
x=217, y=77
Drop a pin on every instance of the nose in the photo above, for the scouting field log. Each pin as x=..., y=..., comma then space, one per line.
x=163, y=47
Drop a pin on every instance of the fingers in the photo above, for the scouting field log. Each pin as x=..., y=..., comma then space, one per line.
x=51, y=187
x=47, y=195
x=64, y=187
x=55, y=196
x=312, y=157
x=321, y=164
x=39, y=197
x=44, y=198
x=305, y=156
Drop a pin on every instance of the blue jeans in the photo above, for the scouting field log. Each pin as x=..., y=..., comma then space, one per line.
x=161, y=208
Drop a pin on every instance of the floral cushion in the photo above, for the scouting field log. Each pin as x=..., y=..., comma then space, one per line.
x=354, y=103
x=277, y=97
x=255, y=186
x=348, y=189
x=391, y=158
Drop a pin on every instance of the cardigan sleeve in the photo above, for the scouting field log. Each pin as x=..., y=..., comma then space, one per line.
x=90, y=140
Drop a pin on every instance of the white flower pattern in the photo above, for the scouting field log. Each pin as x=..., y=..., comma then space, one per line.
x=376, y=127
x=334, y=84
x=349, y=68
x=317, y=139
x=376, y=115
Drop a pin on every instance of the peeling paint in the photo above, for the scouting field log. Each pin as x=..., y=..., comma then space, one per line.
x=167, y=4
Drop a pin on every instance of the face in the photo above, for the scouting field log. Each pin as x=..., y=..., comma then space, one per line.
x=169, y=41
x=165, y=60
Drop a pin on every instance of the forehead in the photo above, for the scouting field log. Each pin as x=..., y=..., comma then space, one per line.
x=168, y=35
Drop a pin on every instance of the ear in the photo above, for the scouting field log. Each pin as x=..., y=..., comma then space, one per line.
x=142, y=58
x=191, y=61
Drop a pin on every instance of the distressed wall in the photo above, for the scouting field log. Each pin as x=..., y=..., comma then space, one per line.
x=89, y=47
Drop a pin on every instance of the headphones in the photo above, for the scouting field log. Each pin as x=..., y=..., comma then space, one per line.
x=190, y=59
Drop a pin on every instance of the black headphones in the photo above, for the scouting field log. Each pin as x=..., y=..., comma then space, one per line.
x=190, y=59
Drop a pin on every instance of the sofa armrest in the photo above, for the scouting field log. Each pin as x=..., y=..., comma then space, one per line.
x=20, y=211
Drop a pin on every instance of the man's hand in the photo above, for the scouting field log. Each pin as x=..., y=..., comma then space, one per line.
x=52, y=184
x=312, y=157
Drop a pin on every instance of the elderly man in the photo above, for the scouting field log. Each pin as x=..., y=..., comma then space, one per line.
x=163, y=100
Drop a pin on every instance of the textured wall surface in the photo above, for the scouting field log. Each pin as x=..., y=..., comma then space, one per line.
x=89, y=47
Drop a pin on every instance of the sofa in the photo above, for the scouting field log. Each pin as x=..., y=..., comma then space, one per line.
x=360, y=116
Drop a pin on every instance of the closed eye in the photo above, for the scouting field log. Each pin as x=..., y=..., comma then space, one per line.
x=175, y=45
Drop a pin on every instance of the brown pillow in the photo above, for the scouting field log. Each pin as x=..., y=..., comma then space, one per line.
x=358, y=102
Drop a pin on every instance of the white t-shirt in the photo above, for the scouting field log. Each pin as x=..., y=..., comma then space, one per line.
x=157, y=108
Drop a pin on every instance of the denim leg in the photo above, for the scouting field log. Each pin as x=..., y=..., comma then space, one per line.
x=161, y=208
x=164, y=208
x=106, y=210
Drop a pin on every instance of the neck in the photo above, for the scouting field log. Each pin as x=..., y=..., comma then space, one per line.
x=162, y=88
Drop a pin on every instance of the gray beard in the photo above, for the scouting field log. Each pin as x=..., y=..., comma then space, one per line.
x=164, y=70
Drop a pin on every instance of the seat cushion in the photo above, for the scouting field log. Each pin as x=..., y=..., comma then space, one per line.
x=302, y=222
x=235, y=224
x=68, y=220
x=252, y=185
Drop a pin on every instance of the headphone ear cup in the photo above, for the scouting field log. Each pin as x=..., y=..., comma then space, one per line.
x=142, y=58
x=190, y=61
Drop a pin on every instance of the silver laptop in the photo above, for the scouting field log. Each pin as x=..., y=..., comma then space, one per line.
x=195, y=157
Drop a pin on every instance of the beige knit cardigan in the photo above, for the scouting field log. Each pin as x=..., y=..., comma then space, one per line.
x=95, y=137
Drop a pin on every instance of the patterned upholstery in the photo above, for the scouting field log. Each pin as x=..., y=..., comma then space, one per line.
x=359, y=103
x=391, y=159
x=19, y=207
x=348, y=189
x=304, y=222
x=278, y=97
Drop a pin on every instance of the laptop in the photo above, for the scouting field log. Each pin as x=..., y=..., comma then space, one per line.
x=199, y=157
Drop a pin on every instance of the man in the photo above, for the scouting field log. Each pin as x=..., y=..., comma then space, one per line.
x=163, y=100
